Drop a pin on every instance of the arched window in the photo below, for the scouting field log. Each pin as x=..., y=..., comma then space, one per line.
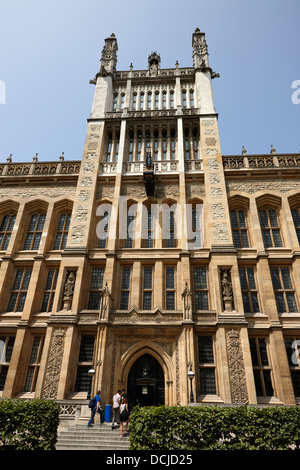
x=296, y=220
x=34, y=232
x=6, y=228
x=270, y=227
x=239, y=228
x=62, y=231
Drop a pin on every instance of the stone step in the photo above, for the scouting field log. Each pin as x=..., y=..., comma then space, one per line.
x=103, y=437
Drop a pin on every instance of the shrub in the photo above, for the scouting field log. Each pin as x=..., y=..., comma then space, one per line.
x=214, y=428
x=28, y=425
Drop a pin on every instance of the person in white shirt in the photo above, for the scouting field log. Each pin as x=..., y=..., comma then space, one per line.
x=116, y=408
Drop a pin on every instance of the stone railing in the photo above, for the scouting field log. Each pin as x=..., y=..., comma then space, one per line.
x=159, y=166
x=193, y=166
x=261, y=161
x=40, y=168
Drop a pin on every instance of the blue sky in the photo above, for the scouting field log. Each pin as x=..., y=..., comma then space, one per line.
x=51, y=49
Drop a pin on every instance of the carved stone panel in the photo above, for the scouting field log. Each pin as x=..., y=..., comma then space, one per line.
x=239, y=393
x=53, y=369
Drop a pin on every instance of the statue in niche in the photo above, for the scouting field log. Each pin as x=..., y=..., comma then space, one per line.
x=187, y=304
x=104, y=307
x=227, y=290
x=69, y=290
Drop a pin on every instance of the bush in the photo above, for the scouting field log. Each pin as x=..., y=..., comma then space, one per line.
x=214, y=428
x=28, y=425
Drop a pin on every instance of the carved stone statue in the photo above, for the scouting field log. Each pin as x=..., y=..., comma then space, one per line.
x=105, y=303
x=69, y=290
x=187, y=302
x=227, y=291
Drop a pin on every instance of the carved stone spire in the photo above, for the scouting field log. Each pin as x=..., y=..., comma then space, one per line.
x=200, y=52
x=108, y=61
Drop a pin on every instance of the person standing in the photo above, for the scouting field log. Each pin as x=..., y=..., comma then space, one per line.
x=116, y=408
x=124, y=415
x=95, y=408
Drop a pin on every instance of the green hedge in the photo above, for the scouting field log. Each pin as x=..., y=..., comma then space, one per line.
x=214, y=428
x=28, y=425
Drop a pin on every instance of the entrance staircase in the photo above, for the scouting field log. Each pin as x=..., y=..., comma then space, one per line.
x=97, y=437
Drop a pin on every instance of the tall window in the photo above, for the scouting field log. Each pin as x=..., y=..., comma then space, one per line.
x=6, y=228
x=187, y=148
x=115, y=102
x=149, y=98
x=157, y=100
x=270, y=228
x=85, y=362
x=134, y=99
x=170, y=237
x=35, y=231
x=49, y=291
x=19, y=290
x=116, y=156
x=196, y=226
x=122, y=101
x=239, y=228
x=6, y=348
x=125, y=288
x=261, y=367
x=103, y=232
x=150, y=229
x=191, y=99
x=62, y=231
x=296, y=219
x=292, y=346
x=283, y=289
x=249, y=290
x=34, y=364
x=130, y=228
x=207, y=365
x=171, y=99
x=164, y=100
x=108, y=149
x=195, y=148
x=173, y=149
x=200, y=288
x=96, y=289
x=184, y=99
x=170, y=288
x=147, y=289
x=142, y=99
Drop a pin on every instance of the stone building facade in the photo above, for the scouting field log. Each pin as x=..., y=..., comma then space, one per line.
x=153, y=256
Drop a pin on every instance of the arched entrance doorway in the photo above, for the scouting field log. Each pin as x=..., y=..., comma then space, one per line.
x=146, y=383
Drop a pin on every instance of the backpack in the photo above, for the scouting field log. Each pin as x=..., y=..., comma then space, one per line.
x=92, y=403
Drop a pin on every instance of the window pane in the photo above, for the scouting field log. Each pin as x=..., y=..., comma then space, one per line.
x=148, y=278
x=268, y=383
x=200, y=278
x=281, y=307
x=292, y=306
x=170, y=278
x=255, y=304
x=37, y=240
x=277, y=238
x=246, y=303
x=286, y=279
x=267, y=239
x=296, y=217
x=94, y=301
x=124, y=300
x=86, y=348
x=273, y=218
x=258, y=384
x=263, y=352
x=296, y=382
x=201, y=300
x=35, y=350
x=82, y=380
x=3, y=374
x=126, y=278
x=205, y=345
x=263, y=218
x=147, y=300
x=29, y=379
x=275, y=278
x=170, y=301
x=253, y=352
x=97, y=278
x=207, y=381
x=244, y=239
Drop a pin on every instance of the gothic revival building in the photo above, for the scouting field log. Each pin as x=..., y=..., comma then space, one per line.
x=153, y=256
